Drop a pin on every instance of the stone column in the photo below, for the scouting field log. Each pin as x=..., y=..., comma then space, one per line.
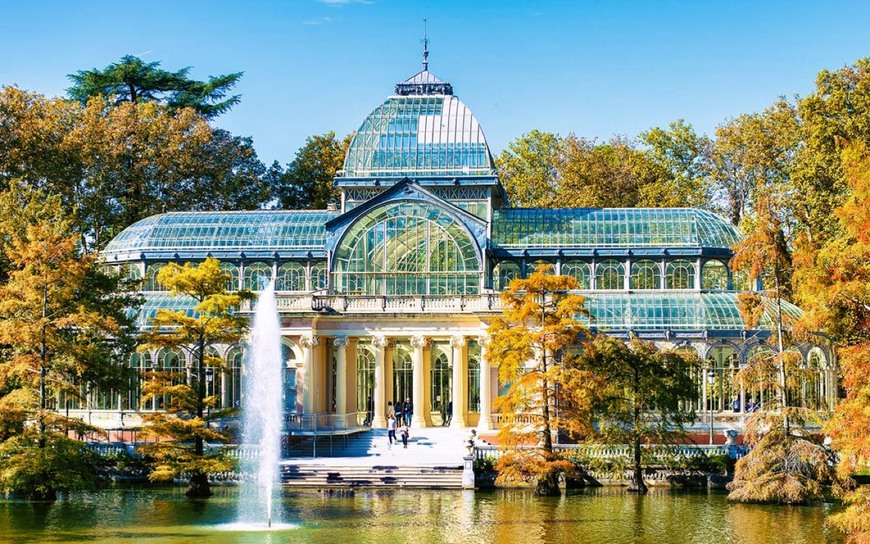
x=380, y=400
x=419, y=343
x=308, y=377
x=485, y=421
x=460, y=357
x=388, y=370
x=339, y=346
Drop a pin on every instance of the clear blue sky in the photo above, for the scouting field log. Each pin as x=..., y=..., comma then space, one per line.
x=591, y=68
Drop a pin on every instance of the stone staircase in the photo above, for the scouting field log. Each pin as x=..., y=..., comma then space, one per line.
x=433, y=459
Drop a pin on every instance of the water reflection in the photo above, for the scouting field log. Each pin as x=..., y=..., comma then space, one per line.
x=376, y=516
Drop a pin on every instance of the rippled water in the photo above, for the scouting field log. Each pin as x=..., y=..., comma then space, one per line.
x=604, y=515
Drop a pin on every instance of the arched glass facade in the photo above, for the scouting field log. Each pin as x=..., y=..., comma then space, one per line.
x=407, y=248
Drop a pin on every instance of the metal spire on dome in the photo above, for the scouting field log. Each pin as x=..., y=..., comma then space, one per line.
x=425, y=48
x=424, y=82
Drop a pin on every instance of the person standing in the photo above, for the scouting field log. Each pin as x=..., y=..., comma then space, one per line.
x=391, y=429
x=404, y=432
x=407, y=411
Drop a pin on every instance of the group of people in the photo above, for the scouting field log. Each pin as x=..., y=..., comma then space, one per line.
x=751, y=405
x=399, y=419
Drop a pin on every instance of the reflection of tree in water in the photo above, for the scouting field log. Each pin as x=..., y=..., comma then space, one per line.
x=782, y=524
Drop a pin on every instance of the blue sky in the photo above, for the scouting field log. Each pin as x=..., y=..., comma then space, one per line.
x=592, y=68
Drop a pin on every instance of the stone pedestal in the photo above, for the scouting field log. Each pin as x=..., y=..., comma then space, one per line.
x=468, y=472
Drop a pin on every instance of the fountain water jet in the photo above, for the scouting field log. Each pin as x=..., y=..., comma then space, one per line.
x=262, y=414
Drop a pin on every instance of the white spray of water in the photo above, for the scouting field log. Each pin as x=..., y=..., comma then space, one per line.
x=261, y=414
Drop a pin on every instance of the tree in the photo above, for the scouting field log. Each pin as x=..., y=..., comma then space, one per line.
x=132, y=80
x=307, y=183
x=642, y=396
x=185, y=420
x=685, y=156
x=754, y=155
x=529, y=169
x=64, y=327
x=833, y=282
x=534, y=346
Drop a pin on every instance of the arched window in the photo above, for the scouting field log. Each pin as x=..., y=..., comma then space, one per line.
x=231, y=380
x=680, y=274
x=233, y=272
x=504, y=272
x=820, y=386
x=645, y=274
x=714, y=276
x=170, y=363
x=407, y=248
x=318, y=276
x=288, y=356
x=740, y=281
x=579, y=270
x=724, y=362
x=257, y=276
x=291, y=277
x=403, y=375
x=549, y=268
x=365, y=384
x=151, y=283
x=140, y=363
x=610, y=275
x=473, y=385
x=440, y=381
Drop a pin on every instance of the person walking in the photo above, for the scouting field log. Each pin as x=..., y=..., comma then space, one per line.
x=391, y=429
x=407, y=411
x=404, y=432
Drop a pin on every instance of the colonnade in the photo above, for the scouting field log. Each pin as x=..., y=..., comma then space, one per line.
x=327, y=378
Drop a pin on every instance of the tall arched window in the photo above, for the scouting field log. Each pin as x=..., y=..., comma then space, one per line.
x=473, y=384
x=403, y=374
x=724, y=362
x=257, y=276
x=579, y=270
x=140, y=363
x=231, y=382
x=151, y=283
x=288, y=390
x=740, y=281
x=714, y=276
x=440, y=381
x=365, y=383
x=407, y=248
x=291, y=277
x=318, y=276
x=233, y=272
x=680, y=274
x=171, y=364
x=610, y=275
x=503, y=273
x=645, y=274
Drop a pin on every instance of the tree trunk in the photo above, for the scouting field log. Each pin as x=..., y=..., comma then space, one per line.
x=547, y=484
x=47, y=493
x=637, y=483
x=198, y=487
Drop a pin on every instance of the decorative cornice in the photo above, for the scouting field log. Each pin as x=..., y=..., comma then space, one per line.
x=340, y=341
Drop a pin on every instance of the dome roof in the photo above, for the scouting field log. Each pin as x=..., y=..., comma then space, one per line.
x=611, y=227
x=422, y=131
x=197, y=234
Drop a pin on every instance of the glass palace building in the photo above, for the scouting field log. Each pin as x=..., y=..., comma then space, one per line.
x=389, y=296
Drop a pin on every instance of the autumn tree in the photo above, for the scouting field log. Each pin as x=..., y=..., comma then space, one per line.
x=534, y=346
x=64, y=328
x=185, y=420
x=307, y=183
x=133, y=80
x=529, y=169
x=833, y=284
x=643, y=396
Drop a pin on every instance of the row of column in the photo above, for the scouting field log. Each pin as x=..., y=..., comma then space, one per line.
x=383, y=379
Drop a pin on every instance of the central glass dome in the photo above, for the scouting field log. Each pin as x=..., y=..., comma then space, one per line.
x=422, y=131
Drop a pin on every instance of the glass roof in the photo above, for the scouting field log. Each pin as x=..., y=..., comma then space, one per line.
x=610, y=227
x=673, y=311
x=419, y=136
x=272, y=230
x=163, y=301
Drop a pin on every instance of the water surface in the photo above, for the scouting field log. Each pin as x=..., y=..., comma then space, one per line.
x=603, y=515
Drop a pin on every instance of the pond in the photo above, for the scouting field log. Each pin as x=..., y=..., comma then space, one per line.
x=385, y=516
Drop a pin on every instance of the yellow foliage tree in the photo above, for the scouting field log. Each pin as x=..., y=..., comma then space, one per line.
x=184, y=422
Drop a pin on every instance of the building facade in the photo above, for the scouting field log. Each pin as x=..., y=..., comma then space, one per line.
x=389, y=296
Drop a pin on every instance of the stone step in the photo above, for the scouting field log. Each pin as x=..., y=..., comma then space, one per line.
x=449, y=477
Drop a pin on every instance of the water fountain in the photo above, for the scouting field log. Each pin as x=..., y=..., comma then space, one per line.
x=261, y=416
